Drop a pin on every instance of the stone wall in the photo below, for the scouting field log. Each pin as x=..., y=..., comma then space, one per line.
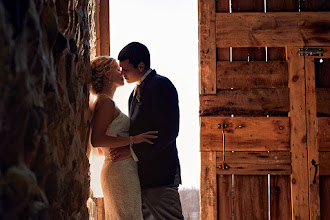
x=44, y=114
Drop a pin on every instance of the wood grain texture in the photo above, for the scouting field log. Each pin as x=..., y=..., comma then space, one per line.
x=282, y=5
x=249, y=54
x=225, y=197
x=276, y=54
x=323, y=133
x=247, y=6
x=245, y=134
x=208, y=190
x=323, y=101
x=299, y=177
x=280, y=198
x=207, y=47
x=222, y=5
x=250, y=197
x=272, y=29
x=254, y=163
x=223, y=54
x=100, y=209
x=315, y=5
x=240, y=102
x=325, y=197
x=324, y=163
x=104, y=28
x=312, y=145
x=257, y=74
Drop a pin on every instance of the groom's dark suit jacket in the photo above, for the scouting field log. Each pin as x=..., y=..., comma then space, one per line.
x=157, y=110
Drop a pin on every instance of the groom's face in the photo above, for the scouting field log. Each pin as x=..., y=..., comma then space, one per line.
x=130, y=73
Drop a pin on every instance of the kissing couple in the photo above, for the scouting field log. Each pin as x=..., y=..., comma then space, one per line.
x=141, y=171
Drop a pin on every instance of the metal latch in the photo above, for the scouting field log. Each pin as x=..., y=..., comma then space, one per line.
x=311, y=51
x=223, y=165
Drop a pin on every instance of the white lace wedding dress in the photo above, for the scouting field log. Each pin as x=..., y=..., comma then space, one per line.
x=119, y=180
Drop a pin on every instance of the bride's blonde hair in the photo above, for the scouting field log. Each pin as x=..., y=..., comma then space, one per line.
x=100, y=65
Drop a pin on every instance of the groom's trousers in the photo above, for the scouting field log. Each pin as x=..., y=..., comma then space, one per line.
x=161, y=203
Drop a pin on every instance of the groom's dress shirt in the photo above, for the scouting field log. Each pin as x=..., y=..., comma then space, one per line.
x=135, y=158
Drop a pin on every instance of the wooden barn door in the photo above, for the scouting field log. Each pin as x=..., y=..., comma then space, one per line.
x=264, y=109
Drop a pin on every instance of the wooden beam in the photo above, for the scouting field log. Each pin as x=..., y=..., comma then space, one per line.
x=104, y=27
x=323, y=133
x=97, y=24
x=254, y=163
x=225, y=198
x=299, y=177
x=272, y=29
x=280, y=198
x=245, y=134
x=208, y=190
x=251, y=197
x=312, y=146
x=258, y=74
x=207, y=48
x=323, y=101
x=260, y=102
x=324, y=163
x=325, y=198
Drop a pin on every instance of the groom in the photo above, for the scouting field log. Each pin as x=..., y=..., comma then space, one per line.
x=153, y=106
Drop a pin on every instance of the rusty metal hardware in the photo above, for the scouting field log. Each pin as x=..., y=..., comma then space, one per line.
x=223, y=166
x=311, y=51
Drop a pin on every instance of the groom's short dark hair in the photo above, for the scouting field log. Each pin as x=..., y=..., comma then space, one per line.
x=136, y=53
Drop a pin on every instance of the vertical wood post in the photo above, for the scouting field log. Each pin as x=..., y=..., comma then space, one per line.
x=208, y=188
x=207, y=46
x=312, y=145
x=299, y=177
x=104, y=28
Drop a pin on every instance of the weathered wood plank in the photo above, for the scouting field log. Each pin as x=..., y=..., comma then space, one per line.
x=282, y=5
x=322, y=73
x=276, y=54
x=312, y=146
x=257, y=74
x=280, y=198
x=100, y=209
x=207, y=46
x=325, y=197
x=273, y=29
x=223, y=54
x=250, y=197
x=222, y=5
x=254, y=163
x=104, y=28
x=324, y=163
x=225, y=197
x=299, y=176
x=246, y=102
x=208, y=188
x=245, y=134
x=323, y=133
x=315, y=5
x=323, y=101
x=247, y=6
x=249, y=54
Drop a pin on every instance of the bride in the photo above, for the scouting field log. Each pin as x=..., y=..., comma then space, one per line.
x=119, y=180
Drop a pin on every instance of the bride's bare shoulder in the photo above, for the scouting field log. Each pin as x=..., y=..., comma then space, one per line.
x=104, y=102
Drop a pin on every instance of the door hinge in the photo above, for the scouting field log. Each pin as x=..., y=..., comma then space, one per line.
x=311, y=51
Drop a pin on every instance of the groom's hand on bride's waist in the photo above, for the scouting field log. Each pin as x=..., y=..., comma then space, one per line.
x=120, y=153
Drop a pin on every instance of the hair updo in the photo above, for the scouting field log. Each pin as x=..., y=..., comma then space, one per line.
x=100, y=65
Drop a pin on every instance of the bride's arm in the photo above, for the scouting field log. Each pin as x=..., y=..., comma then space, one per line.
x=104, y=114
